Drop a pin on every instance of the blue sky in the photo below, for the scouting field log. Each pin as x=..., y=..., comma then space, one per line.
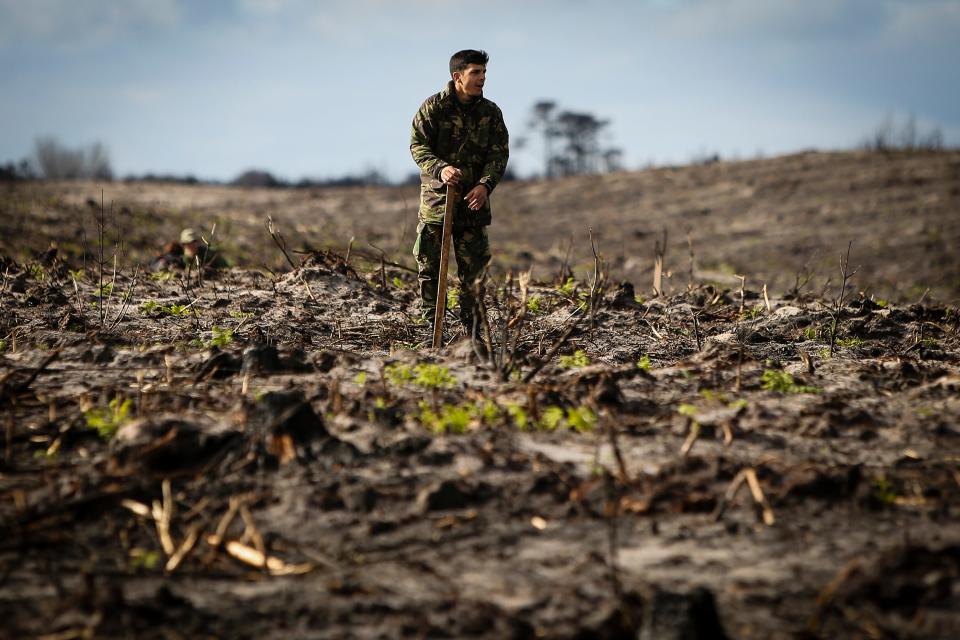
x=323, y=89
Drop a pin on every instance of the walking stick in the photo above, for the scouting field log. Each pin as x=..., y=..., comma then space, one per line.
x=444, y=263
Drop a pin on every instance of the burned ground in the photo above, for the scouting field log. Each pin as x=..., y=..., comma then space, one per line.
x=605, y=465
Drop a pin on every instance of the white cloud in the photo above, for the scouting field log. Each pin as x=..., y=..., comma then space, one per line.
x=70, y=24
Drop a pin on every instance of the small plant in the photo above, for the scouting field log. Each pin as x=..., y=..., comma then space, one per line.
x=687, y=410
x=752, y=312
x=824, y=353
x=77, y=274
x=163, y=276
x=447, y=419
x=433, y=376
x=424, y=375
x=881, y=303
x=241, y=315
x=639, y=299
x=103, y=290
x=397, y=282
x=783, y=382
x=581, y=419
x=361, y=378
x=150, y=307
x=849, y=343
x=3, y=346
x=883, y=490
x=810, y=333
x=143, y=559
x=551, y=419
x=37, y=272
x=459, y=418
x=453, y=297
x=222, y=337
x=535, y=305
x=567, y=288
x=644, y=362
x=176, y=310
x=519, y=416
x=107, y=421
x=578, y=360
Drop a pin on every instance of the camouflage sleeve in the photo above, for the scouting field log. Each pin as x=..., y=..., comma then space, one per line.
x=497, y=154
x=422, y=137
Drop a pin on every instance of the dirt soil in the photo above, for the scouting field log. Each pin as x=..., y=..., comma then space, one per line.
x=264, y=452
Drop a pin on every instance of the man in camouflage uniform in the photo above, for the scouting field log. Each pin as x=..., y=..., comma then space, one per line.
x=458, y=138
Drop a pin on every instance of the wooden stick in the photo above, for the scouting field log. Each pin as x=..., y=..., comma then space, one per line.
x=441, y=307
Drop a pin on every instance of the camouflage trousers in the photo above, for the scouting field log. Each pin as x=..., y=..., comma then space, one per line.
x=472, y=250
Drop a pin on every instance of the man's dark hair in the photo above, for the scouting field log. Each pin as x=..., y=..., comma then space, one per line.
x=460, y=60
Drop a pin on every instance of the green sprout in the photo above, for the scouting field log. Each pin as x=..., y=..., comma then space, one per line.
x=397, y=282
x=783, y=382
x=568, y=287
x=535, y=305
x=361, y=378
x=143, y=559
x=578, y=360
x=424, y=375
x=108, y=420
x=644, y=362
x=883, y=490
x=551, y=419
x=453, y=297
x=103, y=290
x=222, y=337
x=163, y=276
x=849, y=343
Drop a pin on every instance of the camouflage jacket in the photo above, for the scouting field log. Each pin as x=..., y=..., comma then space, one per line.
x=471, y=137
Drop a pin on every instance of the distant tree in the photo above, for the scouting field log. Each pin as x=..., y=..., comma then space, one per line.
x=256, y=178
x=58, y=162
x=578, y=134
x=889, y=136
x=12, y=172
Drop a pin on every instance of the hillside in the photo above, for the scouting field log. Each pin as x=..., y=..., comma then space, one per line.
x=770, y=220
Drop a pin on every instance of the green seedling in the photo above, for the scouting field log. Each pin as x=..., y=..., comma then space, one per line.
x=103, y=290
x=222, y=337
x=108, y=420
x=163, y=276
x=37, y=272
x=518, y=415
x=361, y=378
x=568, y=287
x=551, y=418
x=581, y=419
x=424, y=375
x=578, y=360
x=687, y=410
x=143, y=559
x=397, y=282
x=783, y=382
x=644, y=363
x=241, y=315
x=883, y=490
x=77, y=274
x=849, y=343
x=453, y=298
x=535, y=305
x=639, y=299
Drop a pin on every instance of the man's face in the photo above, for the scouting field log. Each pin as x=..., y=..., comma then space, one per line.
x=470, y=80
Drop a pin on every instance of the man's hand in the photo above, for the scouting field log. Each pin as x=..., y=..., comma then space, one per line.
x=477, y=197
x=450, y=175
